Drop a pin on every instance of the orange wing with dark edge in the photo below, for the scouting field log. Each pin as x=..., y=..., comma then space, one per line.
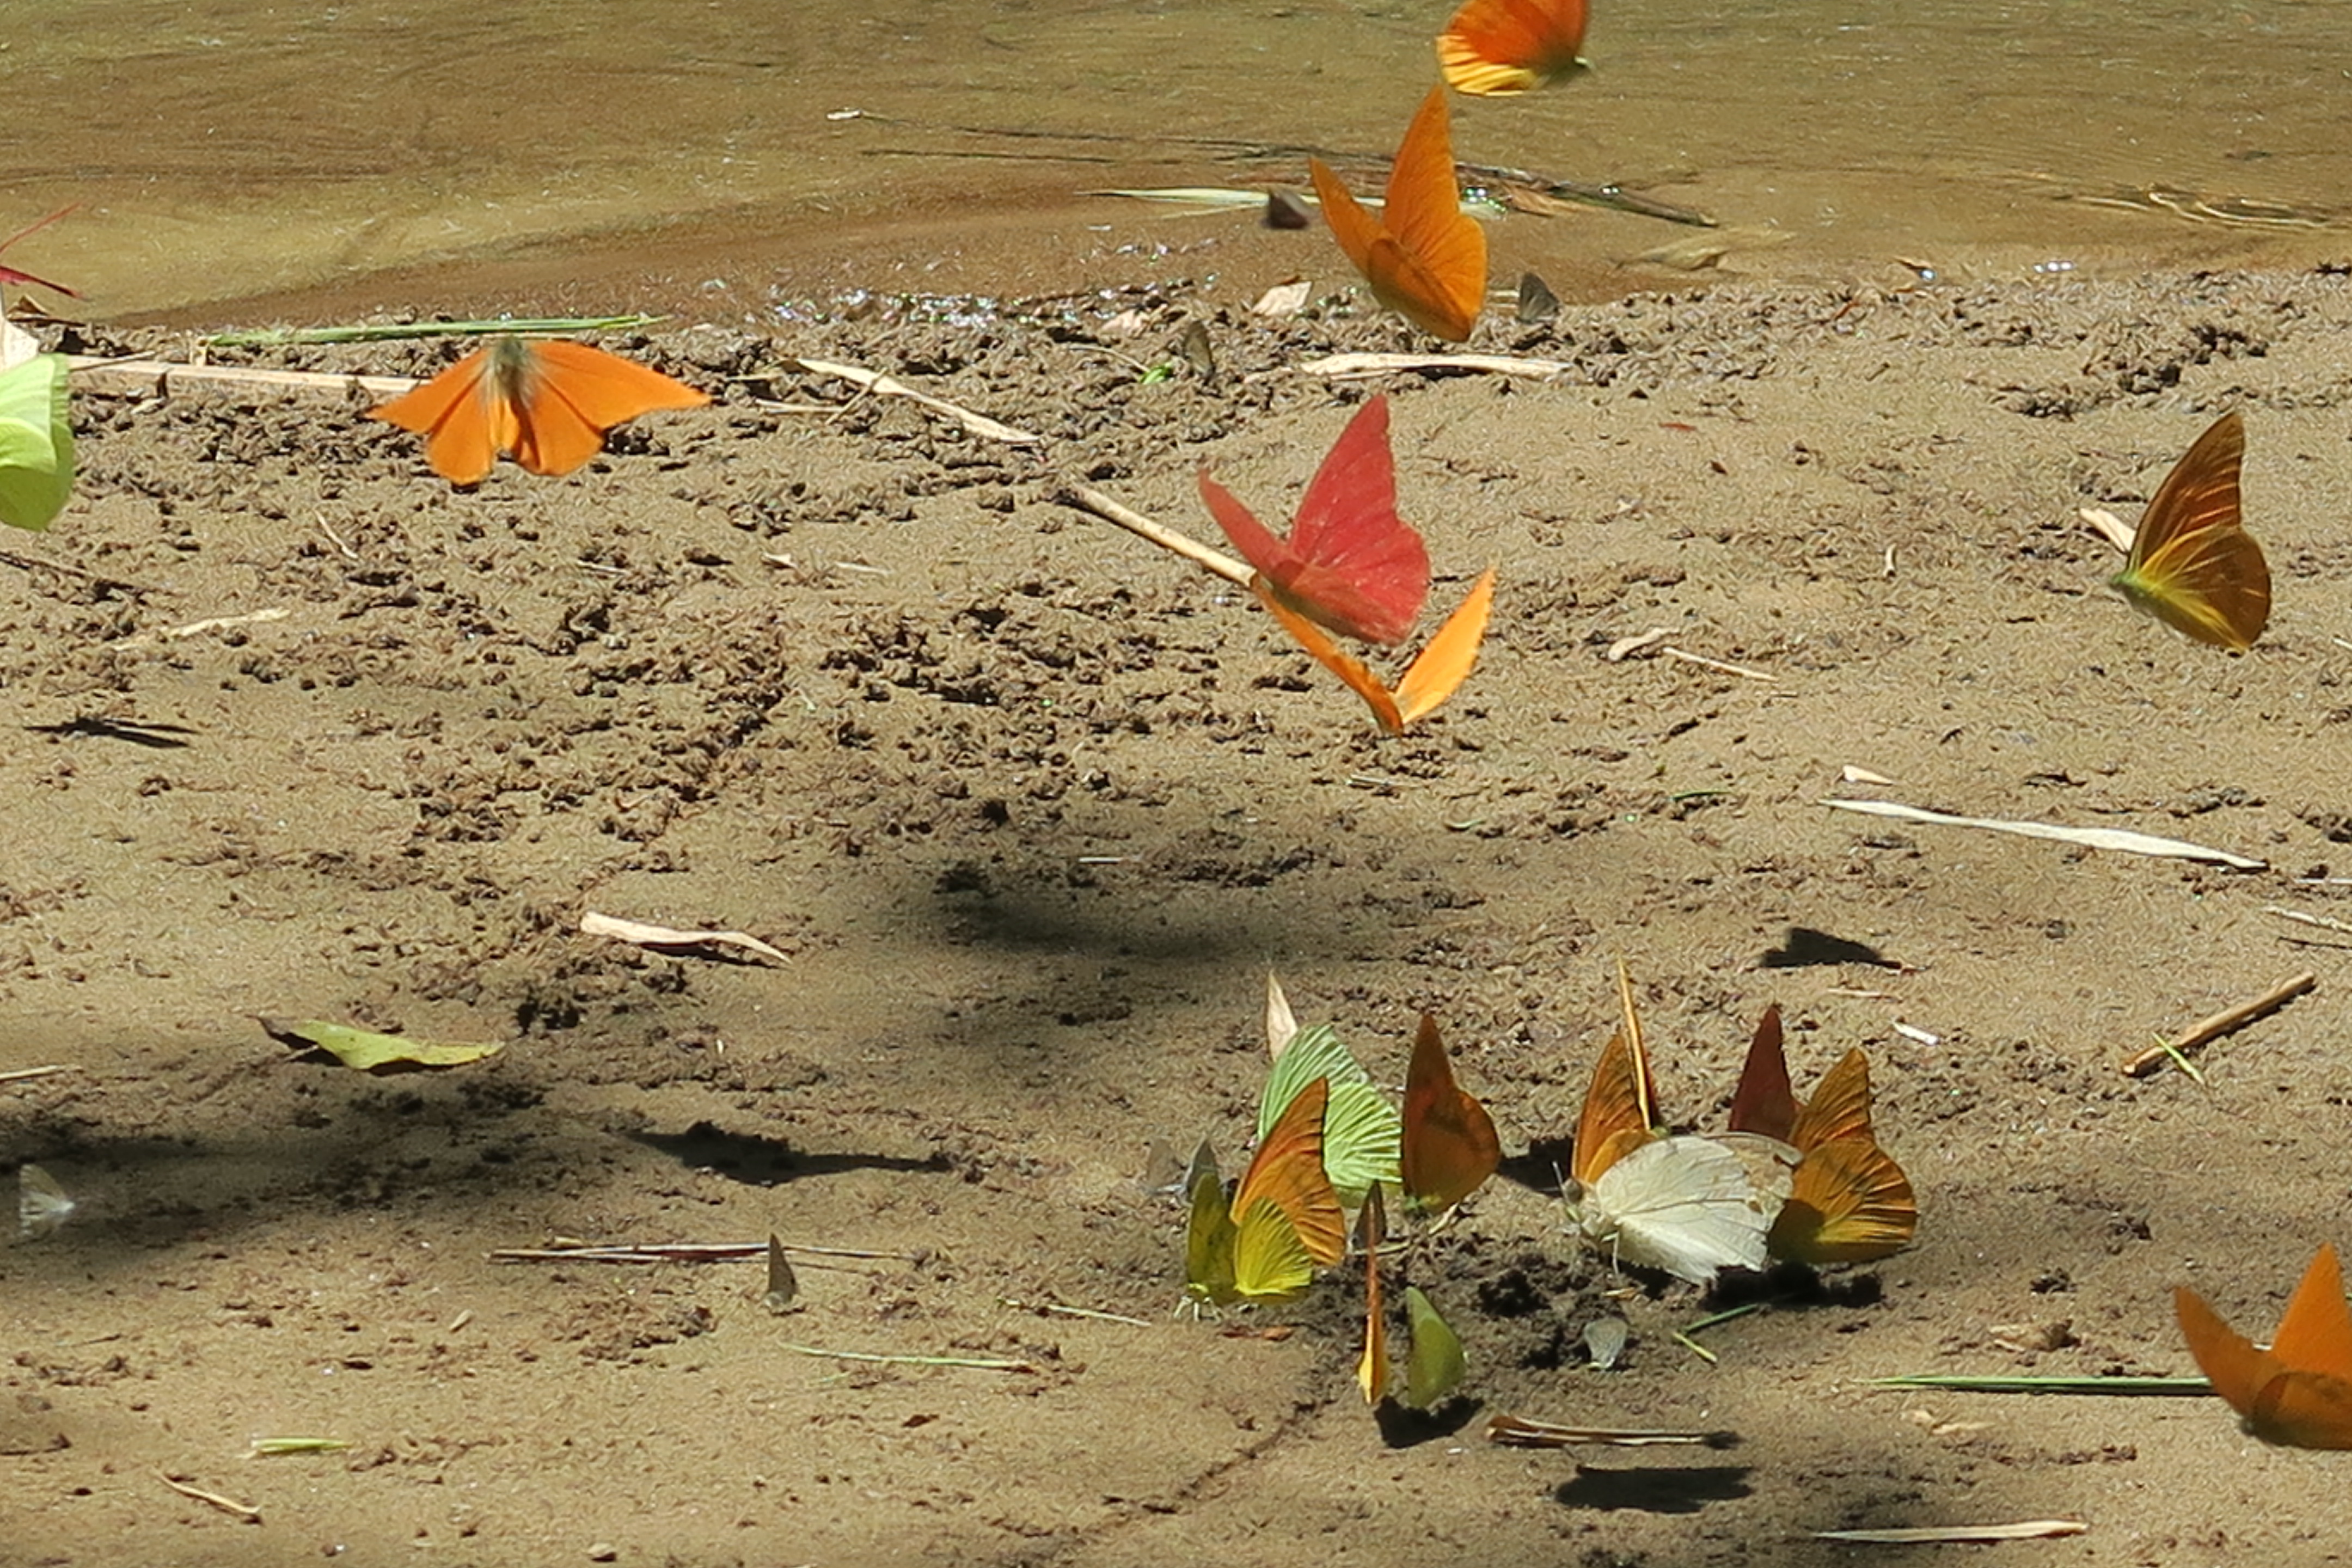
x=1615, y=1121
x=1287, y=1172
x=1449, y=1147
x=2193, y=565
x=1424, y=257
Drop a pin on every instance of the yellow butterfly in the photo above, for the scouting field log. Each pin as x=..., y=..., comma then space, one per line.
x=2193, y=565
x=1284, y=1220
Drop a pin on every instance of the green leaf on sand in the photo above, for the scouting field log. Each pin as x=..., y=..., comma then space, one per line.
x=371, y=1052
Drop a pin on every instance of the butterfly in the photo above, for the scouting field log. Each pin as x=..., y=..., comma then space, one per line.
x=12, y=275
x=1448, y=1148
x=1373, y=1366
x=36, y=449
x=1683, y=1204
x=1495, y=47
x=1423, y=256
x=2297, y=1393
x=2193, y=565
x=549, y=403
x=1848, y=1201
x=1351, y=564
x=42, y=1204
x=1284, y=1219
x=1359, y=1127
x=1434, y=675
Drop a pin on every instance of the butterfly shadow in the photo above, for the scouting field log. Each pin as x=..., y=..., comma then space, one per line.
x=1541, y=1168
x=1402, y=1427
x=1653, y=1488
x=1805, y=948
x=1796, y=1286
x=758, y=1161
x=155, y=736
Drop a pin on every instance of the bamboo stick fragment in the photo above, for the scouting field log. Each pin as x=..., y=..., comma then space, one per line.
x=2227, y=1021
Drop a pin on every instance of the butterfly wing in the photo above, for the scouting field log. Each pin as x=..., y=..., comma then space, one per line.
x=1435, y=274
x=37, y=451
x=1352, y=224
x=1840, y=1108
x=2193, y=565
x=1353, y=671
x=1683, y=1204
x=1355, y=567
x=1209, y=1236
x=1435, y=1365
x=1271, y=1262
x=1848, y=1202
x=2237, y=1372
x=2310, y=1406
x=1449, y=1145
x=455, y=414
x=1764, y=1102
x=1360, y=1128
x=1615, y=1120
x=1439, y=669
x=1287, y=1172
x=1495, y=47
x=42, y=1204
x=566, y=395
x=1373, y=1366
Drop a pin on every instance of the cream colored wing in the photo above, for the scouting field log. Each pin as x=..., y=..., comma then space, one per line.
x=1683, y=1204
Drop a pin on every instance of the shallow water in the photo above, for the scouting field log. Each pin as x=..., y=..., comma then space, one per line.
x=330, y=159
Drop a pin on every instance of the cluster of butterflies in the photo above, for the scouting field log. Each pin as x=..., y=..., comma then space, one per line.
x=1801, y=1182
x=1329, y=1140
x=1806, y=1183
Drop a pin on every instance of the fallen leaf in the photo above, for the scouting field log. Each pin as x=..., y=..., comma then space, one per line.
x=370, y=1052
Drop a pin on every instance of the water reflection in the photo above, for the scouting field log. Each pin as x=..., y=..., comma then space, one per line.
x=482, y=152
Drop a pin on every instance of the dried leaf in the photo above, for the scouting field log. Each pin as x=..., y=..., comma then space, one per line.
x=2027, y=1529
x=2115, y=839
x=646, y=934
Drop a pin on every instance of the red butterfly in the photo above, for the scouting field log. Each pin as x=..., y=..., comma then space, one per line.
x=1350, y=563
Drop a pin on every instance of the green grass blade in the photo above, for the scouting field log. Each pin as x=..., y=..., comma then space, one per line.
x=391, y=331
x=2112, y=1386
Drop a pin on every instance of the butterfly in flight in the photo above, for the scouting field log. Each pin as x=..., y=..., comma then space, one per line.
x=548, y=403
x=2298, y=1391
x=2193, y=565
x=1495, y=47
x=1423, y=256
x=1351, y=564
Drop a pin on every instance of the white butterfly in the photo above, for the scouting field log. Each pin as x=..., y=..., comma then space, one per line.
x=41, y=1205
x=1685, y=1205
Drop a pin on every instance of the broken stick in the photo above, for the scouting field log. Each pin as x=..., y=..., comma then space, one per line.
x=2225, y=1022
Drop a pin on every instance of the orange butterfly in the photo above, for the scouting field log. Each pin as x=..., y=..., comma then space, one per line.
x=1496, y=47
x=1434, y=675
x=1848, y=1201
x=1449, y=1148
x=2193, y=565
x=2298, y=1393
x=1423, y=256
x=1373, y=1366
x=549, y=403
x=1621, y=1104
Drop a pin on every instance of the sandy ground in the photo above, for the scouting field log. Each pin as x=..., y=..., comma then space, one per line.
x=1033, y=807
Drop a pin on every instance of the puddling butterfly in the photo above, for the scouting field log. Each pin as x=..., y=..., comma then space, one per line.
x=2298, y=1391
x=549, y=403
x=1848, y=1201
x=1283, y=1222
x=2193, y=565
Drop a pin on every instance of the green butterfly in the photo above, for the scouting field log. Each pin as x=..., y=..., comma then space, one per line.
x=1361, y=1131
x=37, y=455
